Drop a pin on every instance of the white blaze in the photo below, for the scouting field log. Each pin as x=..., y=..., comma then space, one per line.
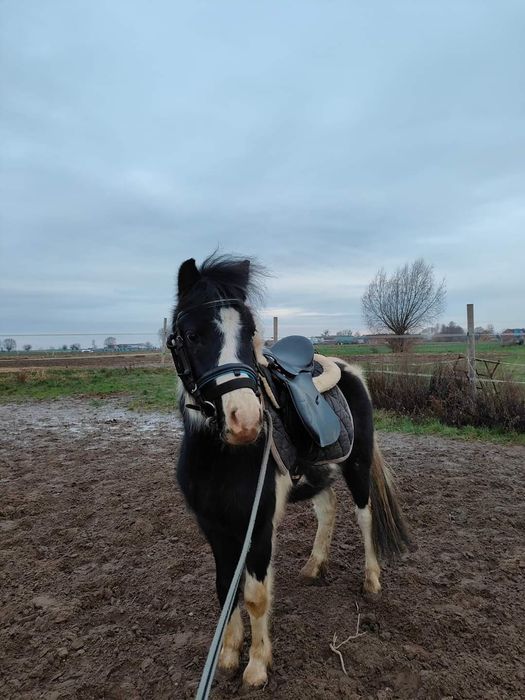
x=230, y=327
x=242, y=411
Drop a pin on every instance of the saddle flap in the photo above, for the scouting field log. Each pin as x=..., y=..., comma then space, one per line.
x=316, y=414
x=293, y=354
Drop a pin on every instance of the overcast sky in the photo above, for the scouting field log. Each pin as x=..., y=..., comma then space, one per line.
x=327, y=139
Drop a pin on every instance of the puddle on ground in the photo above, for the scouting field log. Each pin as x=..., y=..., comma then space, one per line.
x=80, y=418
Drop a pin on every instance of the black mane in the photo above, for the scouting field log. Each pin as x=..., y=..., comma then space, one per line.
x=227, y=277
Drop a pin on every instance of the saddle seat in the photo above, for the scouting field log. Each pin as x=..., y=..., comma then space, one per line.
x=293, y=354
x=290, y=362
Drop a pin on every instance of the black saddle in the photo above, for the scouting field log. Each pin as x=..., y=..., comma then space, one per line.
x=291, y=363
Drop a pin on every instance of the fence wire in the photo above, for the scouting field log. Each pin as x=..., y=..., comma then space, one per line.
x=368, y=344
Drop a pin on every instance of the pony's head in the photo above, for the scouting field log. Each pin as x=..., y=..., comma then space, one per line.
x=215, y=341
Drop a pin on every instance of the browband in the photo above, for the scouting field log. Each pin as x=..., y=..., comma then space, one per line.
x=217, y=302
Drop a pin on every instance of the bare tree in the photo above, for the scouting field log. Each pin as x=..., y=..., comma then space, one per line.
x=110, y=342
x=403, y=302
x=10, y=344
x=27, y=347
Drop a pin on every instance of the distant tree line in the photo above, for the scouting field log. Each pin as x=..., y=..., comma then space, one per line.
x=453, y=332
x=110, y=343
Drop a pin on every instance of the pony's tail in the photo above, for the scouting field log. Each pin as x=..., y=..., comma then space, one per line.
x=389, y=530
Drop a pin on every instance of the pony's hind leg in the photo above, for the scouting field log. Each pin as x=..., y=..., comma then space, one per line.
x=366, y=474
x=324, y=504
x=372, y=571
x=356, y=472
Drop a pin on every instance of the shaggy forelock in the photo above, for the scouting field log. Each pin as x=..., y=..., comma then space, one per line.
x=233, y=278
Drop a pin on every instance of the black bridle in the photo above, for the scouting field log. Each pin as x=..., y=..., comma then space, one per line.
x=205, y=390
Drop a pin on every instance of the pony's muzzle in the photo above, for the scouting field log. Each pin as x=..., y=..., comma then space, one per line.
x=242, y=417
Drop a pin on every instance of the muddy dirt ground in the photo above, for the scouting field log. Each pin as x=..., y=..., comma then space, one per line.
x=107, y=587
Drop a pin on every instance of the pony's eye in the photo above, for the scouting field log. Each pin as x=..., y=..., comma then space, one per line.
x=192, y=337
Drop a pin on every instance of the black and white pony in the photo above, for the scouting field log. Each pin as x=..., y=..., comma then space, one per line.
x=222, y=450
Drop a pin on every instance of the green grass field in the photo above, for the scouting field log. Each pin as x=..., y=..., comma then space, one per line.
x=421, y=358
x=386, y=420
x=154, y=389
x=146, y=388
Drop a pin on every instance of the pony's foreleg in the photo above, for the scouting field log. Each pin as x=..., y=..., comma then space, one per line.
x=231, y=645
x=324, y=505
x=258, y=589
x=258, y=600
x=226, y=551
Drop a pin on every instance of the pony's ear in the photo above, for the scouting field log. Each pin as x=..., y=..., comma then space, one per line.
x=188, y=276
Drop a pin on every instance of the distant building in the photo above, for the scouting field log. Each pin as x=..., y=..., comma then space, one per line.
x=338, y=340
x=132, y=347
x=513, y=336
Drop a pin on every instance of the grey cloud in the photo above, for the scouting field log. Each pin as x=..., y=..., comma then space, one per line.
x=341, y=139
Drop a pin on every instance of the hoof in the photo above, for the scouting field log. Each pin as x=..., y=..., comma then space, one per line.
x=314, y=570
x=371, y=583
x=229, y=661
x=371, y=588
x=255, y=674
x=226, y=674
x=370, y=597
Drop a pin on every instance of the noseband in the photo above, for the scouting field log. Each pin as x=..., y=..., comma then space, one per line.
x=205, y=390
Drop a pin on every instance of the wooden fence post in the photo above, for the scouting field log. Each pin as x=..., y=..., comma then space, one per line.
x=471, y=355
x=164, y=339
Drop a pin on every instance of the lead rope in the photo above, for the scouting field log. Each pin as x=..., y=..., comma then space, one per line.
x=208, y=672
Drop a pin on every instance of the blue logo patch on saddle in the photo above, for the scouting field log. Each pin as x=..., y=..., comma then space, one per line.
x=312, y=420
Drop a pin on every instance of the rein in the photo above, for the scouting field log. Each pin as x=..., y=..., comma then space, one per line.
x=208, y=672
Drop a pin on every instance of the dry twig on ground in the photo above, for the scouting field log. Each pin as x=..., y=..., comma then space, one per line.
x=334, y=646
